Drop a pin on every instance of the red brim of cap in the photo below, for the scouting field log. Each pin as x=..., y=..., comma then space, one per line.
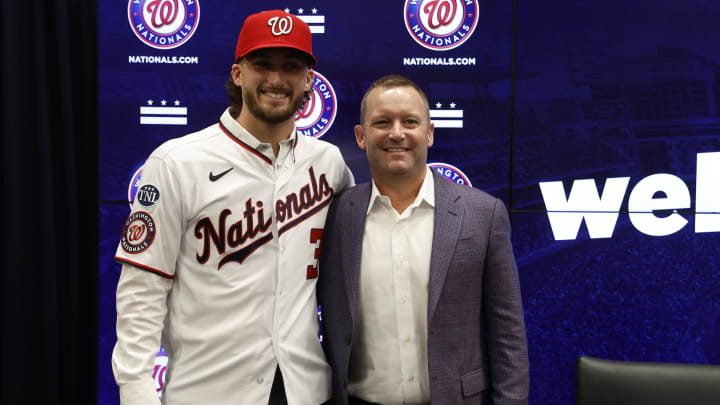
x=276, y=44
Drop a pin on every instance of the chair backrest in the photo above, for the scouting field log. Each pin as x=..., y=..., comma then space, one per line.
x=606, y=382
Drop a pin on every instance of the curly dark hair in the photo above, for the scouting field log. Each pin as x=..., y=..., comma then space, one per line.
x=235, y=95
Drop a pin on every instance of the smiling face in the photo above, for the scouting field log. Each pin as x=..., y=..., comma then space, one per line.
x=396, y=133
x=274, y=82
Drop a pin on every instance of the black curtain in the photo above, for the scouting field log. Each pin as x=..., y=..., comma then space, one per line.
x=50, y=210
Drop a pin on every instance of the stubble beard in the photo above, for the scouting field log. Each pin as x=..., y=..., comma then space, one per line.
x=271, y=117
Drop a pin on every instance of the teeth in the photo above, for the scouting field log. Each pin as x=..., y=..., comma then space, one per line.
x=275, y=95
x=395, y=150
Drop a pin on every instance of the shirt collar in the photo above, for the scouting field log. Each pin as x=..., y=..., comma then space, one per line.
x=244, y=136
x=426, y=194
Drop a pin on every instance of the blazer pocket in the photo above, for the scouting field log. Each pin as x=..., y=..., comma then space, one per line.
x=473, y=382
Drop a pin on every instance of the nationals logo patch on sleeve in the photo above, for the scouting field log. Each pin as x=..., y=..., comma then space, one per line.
x=138, y=233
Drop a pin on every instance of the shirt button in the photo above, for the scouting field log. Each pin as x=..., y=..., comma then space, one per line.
x=347, y=340
x=403, y=300
x=411, y=378
x=260, y=380
x=406, y=339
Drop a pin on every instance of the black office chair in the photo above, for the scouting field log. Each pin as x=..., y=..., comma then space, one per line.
x=608, y=382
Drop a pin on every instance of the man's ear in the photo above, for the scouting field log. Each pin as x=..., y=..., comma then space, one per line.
x=236, y=73
x=431, y=134
x=310, y=78
x=360, y=136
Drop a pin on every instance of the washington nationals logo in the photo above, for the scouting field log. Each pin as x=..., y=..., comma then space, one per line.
x=451, y=173
x=164, y=24
x=441, y=25
x=161, y=362
x=318, y=114
x=280, y=26
x=138, y=233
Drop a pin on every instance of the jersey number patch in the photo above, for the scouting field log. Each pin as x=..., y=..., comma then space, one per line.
x=315, y=237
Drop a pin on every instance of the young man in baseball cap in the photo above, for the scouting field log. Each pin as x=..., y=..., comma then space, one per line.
x=219, y=254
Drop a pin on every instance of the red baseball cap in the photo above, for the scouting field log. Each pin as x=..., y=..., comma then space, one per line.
x=274, y=29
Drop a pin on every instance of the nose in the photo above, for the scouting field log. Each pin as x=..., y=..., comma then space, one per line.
x=274, y=77
x=396, y=131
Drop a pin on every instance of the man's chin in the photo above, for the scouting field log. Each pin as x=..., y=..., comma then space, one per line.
x=397, y=171
x=275, y=117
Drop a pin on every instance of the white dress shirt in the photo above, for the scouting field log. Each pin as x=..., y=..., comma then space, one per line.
x=388, y=362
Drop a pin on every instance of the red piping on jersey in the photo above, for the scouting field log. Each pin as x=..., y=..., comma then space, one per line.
x=143, y=267
x=304, y=216
x=243, y=144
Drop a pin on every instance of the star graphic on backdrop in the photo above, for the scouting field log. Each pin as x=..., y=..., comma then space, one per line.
x=177, y=103
x=287, y=10
x=163, y=102
x=150, y=102
x=300, y=11
x=314, y=11
x=452, y=105
x=438, y=105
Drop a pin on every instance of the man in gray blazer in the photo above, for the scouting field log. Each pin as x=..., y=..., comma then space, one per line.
x=418, y=283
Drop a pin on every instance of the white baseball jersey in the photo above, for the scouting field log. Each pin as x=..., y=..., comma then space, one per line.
x=229, y=237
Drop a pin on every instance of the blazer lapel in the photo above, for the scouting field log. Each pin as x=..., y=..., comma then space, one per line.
x=352, y=243
x=448, y=224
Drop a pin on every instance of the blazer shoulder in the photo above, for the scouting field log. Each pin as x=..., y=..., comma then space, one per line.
x=464, y=195
x=352, y=195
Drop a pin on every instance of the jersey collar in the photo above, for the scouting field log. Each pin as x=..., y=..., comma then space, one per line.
x=245, y=139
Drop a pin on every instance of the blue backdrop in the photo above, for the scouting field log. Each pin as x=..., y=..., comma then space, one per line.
x=532, y=101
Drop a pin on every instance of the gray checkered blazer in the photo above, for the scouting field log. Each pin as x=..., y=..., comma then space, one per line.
x=477, y=349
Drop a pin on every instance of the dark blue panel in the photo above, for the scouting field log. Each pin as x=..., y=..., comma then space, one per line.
x=614, y=89
x=632, y=297
x=112, y=217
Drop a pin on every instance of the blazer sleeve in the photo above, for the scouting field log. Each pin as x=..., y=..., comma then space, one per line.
x=505, y=325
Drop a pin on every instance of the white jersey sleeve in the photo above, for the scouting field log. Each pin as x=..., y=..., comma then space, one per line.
x=148, y=250
x=141, y=308
x=151, y=236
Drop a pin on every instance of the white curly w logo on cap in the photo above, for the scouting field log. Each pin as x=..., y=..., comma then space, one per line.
x=281, y=26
